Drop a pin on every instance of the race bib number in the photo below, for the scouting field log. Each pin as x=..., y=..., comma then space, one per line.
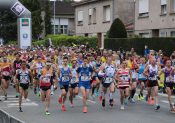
x=109, y=80
x=73, y=80
x=153, y=78
x=65, y=78
x=38, y=71
x=141, y=76
x=46, y=80
x=5, y=73
x=167, y=79
x=24, y=79
x=124, y=78
x=84, y=78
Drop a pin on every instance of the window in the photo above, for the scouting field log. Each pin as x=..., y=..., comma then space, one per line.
x=94, y=15
x=90, y=16
x=107, y=13
x=163, y=34
x=163, y=7
x=173, y=34
x=64, y=29
x=80, y=17
x=144, y=35
x=173, y=5
x=57, y=29
x=143, y=8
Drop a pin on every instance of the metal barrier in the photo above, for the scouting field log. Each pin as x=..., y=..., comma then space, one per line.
x=7, y=118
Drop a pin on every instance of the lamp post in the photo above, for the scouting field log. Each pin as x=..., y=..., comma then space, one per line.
x=54, y=15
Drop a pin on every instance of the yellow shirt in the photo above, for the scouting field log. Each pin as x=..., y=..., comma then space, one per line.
x=103, y=59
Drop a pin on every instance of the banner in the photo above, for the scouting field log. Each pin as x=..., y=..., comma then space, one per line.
x=25, y=33
x=18, y=8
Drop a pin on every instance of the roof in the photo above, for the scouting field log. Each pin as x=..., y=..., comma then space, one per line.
x=62, y=8
x=84, y=2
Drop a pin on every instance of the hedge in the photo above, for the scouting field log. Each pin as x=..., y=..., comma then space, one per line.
x=165, y=44
x=60, y=40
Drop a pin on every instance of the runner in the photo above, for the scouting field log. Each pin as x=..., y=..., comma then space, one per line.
x=96, y=81
x=85, y=73
x=124, y=77
x=16, y=66
x=169, y=82
x=5, y=74
x=141, y=77
x=151, y=71
x=73, y=88
x=46, y=80
x=108, y=83
x=24, y=77
x=64, y=81
x=37, y=67
x=132, y=64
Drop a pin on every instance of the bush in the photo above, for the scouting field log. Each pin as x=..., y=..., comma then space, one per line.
x=117, y=30
x=64, y=40
x=60, y=40
x=165, y=44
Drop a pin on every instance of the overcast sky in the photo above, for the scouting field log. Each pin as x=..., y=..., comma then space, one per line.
x=74, y=0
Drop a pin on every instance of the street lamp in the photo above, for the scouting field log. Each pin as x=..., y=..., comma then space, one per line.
x=54, y=15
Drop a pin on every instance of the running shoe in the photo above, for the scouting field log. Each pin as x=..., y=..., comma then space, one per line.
x=103, y=102
x=111, y=102
x=152, y=101
x=71, y=105
x=93, y=97
x=122, y=107
x=47, y=113
x=5, y=96
x=60, y=100
x=139, y=97
x=157, y=107
x=85, y=109
x=52, y=93
x=172, y=110
x=149, y=101
x=17, y=95
x=20, y=109
x=63, y=108
x=132, y=100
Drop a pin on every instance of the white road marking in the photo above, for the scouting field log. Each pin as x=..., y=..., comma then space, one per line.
x=165, y=101
x=9, y=96
x=87, y=100
x=23, y=104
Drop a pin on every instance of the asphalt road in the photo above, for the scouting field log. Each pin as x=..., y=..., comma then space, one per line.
x=140, y=112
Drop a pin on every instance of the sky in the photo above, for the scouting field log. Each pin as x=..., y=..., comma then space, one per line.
x=74, y=0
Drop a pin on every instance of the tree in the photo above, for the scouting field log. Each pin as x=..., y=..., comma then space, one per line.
x=8, y=26
x=117, y=30
x=47, y=18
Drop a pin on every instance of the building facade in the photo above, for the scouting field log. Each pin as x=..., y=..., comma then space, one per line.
x=64, y=20
x=155, y=18
x=94, y=17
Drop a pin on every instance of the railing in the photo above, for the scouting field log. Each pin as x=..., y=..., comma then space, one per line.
x=7, y=118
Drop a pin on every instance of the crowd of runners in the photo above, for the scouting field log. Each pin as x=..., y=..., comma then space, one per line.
x=95, y=73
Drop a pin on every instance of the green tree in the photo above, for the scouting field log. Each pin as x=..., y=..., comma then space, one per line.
x=117, y=30
x=47, y=18
x=8, y=26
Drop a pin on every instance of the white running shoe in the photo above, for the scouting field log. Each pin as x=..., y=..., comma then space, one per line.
x=122, y=107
